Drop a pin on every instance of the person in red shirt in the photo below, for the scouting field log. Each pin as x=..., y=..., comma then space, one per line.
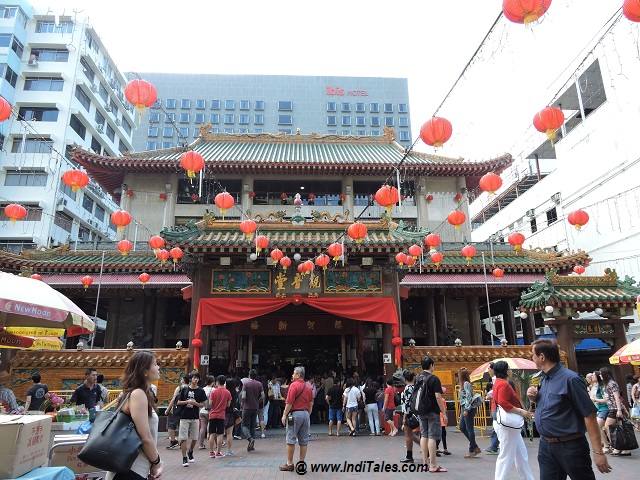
x=299, y=404
x=389, y=407
x=219, y=401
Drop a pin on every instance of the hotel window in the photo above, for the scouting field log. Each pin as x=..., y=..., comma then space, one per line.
x=375, y=133
x=52, y=55
x=152, y=145
x=259, y=105
x=332, y=131
x=243, y=130
x=96, y=146
x=184, y=117
x=286, y=131
x=285, y=120
x=346, y=132
x=51, y=27
x=229, y=118
x=215, y=130
x=44, y=84
x=170, y=118
x=388, y=121
x=83, y=98
x=78, y=126
x=201, y=104
x=214, y=118
x=402, y=108
x=154, y=117
x=229, y=104
x=388, y=108
x=228, y=130
x=171, y=103
x=31, y=145
x=87, y=203
x=88, y=71
x=153, y=132
x=64, y=221
x=183, y=132
x=167, y=132
x=67, y=190
x=345, y=107
x=185, y=103
x=10, y=76
x=362, y=133
x=375, y=121
x=111, y=133
x=403, y=121
x=199, y=118
x=285, y=106
x=25, y=178
x=257, y=130
x=374, y=108
x=34, y=214
x=41, y=114
x=99, y=118
x=215, y=104
x=404, y=136
x=360, y=122
x=245, y=104
x=196, y=132
x=331, y=121
x=126, y=126
x=360, y=107
x=346, y=120
x=259, y=119
x=103, y=93
x=552, y=216
x=331, y=106
x=244, y=119
x=167, y=144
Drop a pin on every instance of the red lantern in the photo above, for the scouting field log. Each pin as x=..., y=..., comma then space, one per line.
x=579, y=269
x=262, y=242
x=224, y=201
x=630, y=8
x=36, y=276
x=308, y=266
x=578, y=218
x=516, y=239
x=156, y=243
x=432, y=241
x=196, y=342
x=15, y=211
x=276, y=255
x=396, y=341
x=415, y=251
x=285, y=262
x=401, y=258
x=121, y=218
x=436, y=131
x=176, y=254
x=437, y=257
x=456, y=218
x=163, y=255
x=144, y=278
x=76, y=179
x=490, y=182
x=300, y=268
x=357, y=231
x=525, y=11
x=411, y=261
x=124, y=247
x=548, y=120
x=429, y=198
x=322, y=261
x=86, y=281
x=248, y=227
x=498, y=272
x=387, y=196
x=192, y=162
x=141, y=94
x=468, y=252
x=335, y=251
x=5, y=109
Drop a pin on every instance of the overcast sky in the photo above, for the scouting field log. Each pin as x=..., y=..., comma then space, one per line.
x=427, y=41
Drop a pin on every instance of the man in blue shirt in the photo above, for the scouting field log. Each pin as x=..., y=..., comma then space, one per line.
x=564, y=412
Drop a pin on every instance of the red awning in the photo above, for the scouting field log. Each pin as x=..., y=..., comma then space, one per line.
x=157, y=280
x=436, y=280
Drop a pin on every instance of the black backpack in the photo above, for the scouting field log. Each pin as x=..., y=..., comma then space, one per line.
x=421, y=403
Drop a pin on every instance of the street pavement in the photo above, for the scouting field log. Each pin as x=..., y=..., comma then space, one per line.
x=263, y=463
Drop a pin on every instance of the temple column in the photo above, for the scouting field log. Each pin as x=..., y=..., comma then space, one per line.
x=113, y=324
x=387, y=347
x=441, y=318
x=421, y=203
x=475, y=327
x=529, y=329
x=619, y=341
x=159, y=322
x=347, y=189
x=509, y=320
x=247, y=187
x=430, y=318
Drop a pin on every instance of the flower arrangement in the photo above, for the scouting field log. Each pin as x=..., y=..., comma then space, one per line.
x=52, y=403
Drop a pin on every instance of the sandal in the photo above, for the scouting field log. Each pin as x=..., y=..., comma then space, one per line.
x=438, y=469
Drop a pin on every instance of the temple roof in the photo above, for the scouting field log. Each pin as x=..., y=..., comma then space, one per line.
x=302, y=154
x=580, y=292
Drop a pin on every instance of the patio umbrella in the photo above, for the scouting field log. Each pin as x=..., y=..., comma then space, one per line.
x=25, y=302
x=8, y=340
x=514, y=363
x=630, y=353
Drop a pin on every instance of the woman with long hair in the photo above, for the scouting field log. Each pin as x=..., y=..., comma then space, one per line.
x=141, y=370
x=513, y=452
x=599, y=399
x=616, y=407
x=467, y=412
x=351, y=395
x=371, y=406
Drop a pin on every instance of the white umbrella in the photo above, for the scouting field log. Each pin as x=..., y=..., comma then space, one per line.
x=25, y=302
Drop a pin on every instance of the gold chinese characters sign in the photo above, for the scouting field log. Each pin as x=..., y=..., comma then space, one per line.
x=290, y=282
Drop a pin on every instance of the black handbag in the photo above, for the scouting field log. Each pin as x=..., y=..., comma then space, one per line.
x=622, y=435
x=412, y=421
x=113, y=442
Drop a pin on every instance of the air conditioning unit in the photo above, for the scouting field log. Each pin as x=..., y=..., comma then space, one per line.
x=531, y=213
x=108, y=108
x=94, y=88
x=61, y=204
x=100, y=127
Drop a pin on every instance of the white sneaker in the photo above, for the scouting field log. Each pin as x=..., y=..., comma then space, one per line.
x=185, y=462
x=263, y=436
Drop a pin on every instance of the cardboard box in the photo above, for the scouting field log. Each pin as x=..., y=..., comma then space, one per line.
x=24, y=443
x=67, y=455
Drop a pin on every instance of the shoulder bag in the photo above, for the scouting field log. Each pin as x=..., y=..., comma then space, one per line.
x=113, y=443
x=509, y=420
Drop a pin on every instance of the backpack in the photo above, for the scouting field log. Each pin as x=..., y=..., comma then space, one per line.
x=397, y=399
x=421, y=403
x=476, y=401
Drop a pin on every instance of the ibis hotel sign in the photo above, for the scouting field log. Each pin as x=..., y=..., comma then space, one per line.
x=341, y=92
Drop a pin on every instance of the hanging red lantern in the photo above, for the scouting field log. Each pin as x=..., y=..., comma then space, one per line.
x=196, y=342
x=490, y=182
x=176, y=254
x=411, y=261
x=285, y=262
x=224, y=201
x=396, y=341
x=516, y=239
x=579, y=269
x=437, y=257
x=141, y=94
x=335, y=251
x=498, y=272
x=276, y=254
x=415, y=251
x=192, y=162
x=144, y=278
x=163, y=255
x=357, y=232
x=387, y=196
x=525, y=11
x=308, y=266
x=436, y=131
x=432, y=241
x=86, y=281
x=36, y=276
x=156, y=243
x=548, y=121
x=300, y=268
x=429, y=198
x=5, y=109
x=456, y=218
x=578, y=218
x=121, y=218
x=322, y=261
x=124, y=247
x=15, y=211
x=630, y=8
x=76, y=179
x=248, y=227
x=401, y=258
x=468, y=252
x=262, y=242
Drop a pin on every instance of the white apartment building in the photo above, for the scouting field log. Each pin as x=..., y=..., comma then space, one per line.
x=66, y=90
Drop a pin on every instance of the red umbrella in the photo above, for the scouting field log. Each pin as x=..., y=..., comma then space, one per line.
x=14, y=341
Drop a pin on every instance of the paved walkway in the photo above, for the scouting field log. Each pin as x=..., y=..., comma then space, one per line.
x=262, y=464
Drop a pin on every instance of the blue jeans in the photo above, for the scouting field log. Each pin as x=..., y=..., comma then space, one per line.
x=466, y=427
x=249, y=423
x=571, y=458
